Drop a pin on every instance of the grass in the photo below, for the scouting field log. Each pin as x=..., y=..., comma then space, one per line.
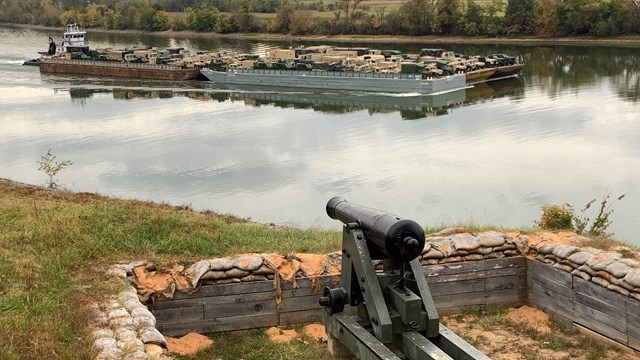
x=56, y=246
x=255, y=345
x=561, y=337
x=473, y=226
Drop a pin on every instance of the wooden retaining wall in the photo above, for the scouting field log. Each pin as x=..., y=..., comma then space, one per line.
x=249, y=305
x=574, y=300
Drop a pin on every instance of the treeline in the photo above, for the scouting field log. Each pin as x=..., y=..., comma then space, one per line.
x=548, y=18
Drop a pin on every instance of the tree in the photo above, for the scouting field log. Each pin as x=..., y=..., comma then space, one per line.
x=472, y=19
x=301, y=23
x=449, y=16
x=545, y=20
x=202, y=19
x=635, y=7
x=153, y=20
x=244, y=18
x=283, y=17
x=518, y=16
x=492, y=24
x=417, y=17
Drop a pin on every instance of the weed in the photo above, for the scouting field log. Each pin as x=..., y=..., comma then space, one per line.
x=556, y=217
x=599, y=225
x=49, y=166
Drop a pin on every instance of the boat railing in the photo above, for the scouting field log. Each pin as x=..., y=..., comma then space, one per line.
x=346, y=74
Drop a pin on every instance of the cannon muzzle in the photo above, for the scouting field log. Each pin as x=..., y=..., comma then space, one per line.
x=401, y=240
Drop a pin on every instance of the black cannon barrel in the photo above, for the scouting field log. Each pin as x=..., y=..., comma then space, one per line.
x=402, y=240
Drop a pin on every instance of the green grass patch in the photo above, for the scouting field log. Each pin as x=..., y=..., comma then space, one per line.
x=256, y=345
x=56, y=246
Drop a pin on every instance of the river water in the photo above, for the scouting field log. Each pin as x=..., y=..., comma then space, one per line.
x=566, y=131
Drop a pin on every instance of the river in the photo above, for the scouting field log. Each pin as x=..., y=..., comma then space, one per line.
x=566, y=131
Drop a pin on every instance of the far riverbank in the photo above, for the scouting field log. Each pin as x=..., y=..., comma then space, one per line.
x=631, y=41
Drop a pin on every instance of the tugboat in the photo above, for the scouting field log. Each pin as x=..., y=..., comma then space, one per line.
x=72, y=41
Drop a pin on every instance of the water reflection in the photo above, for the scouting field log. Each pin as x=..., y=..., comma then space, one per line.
x=410, y=107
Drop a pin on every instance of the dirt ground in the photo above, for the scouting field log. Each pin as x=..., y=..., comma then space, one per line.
x=527, y=333
x=523, y=333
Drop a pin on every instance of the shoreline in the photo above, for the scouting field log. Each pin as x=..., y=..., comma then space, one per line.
x=629, y=40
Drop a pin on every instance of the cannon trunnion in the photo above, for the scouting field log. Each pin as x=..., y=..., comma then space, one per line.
x=395, y=309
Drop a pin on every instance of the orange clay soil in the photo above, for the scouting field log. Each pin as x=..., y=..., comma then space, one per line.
x=502, y=341
x=188, y=344
x=278, y=335
x=531, y=317
x=313, y=332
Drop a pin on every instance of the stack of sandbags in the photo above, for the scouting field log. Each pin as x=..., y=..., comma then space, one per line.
x=468, y=247
x=605, y=268
x=123, y=328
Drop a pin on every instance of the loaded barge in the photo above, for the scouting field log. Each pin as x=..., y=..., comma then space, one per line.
x=74, y=57
x=432, y=72
x=117, y=69
x=339, y=80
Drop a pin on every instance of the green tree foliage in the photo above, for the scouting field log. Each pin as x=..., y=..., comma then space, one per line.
x=179, y=24
x=301, y=23
x=473, y=18
x=556, y=217
x=202, y=19
x=153, y=20
x=227, y=24
x=244, y=18
x=492, y=24
x=519, y=15
x=412, y=17
x=545, y=21
x=577, y=17
x=417, y=17
x=449, y=16
x=283, y=17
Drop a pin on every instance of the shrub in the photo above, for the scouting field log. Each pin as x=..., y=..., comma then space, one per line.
x=556, y=217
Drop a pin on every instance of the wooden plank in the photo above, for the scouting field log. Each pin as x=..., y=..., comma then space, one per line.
x=477, y=275
x=550, y=301
x=600, y=338
x=633, y=318
x=597, y=318
x=473, y=266
x=241, y=298
x=634, y=343
x=300, y=317
x=455, y=300
x=611, y=300
x=552, y=285
x=506, y=282
x=300, y=303
x=633, y=331
x=608, y=308
x=320, y=282
x=226, y=289
x=633, y=311
x=506, y=295
x=219, y=325
x=239, y=309
x=537, y=270
x=457, y=287
x=180, y=303
x=547, y=291
x=180, y=314
x=601, y=329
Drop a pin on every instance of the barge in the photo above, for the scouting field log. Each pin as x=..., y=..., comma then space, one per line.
x=117, y=69
x=338, y=80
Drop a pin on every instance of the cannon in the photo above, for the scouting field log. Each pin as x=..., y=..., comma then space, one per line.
x=388, y=314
